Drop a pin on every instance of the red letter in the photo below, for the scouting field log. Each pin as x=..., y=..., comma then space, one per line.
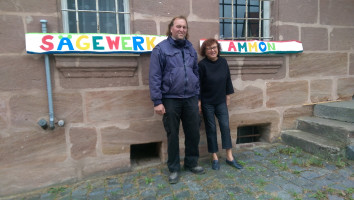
x=232, y=46
x=49, y=44
x=113, y=42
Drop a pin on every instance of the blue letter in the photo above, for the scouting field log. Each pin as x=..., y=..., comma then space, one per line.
x=262, y=46
x=137, y=41
x=65, y=41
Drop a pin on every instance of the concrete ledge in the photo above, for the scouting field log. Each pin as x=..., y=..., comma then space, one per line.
x=342, y=111
x=313, y=144
x=331, y=129
x=350, y=152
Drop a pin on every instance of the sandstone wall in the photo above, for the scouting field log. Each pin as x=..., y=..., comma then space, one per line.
x=105, y=102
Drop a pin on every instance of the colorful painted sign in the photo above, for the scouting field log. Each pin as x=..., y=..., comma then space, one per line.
x=60, y=43
x=258, y=47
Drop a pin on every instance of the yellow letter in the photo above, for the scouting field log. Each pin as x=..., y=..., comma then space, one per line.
x=250, y=46
x=150, y=43
x=86, y=45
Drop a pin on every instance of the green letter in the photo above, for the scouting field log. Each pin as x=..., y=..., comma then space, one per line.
x=270, y=46
x=124, y=43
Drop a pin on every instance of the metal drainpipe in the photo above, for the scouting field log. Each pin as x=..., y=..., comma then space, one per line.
x=49, y=83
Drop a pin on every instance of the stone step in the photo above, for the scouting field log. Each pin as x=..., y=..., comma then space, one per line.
x=314, y=144
x=332, y=129
x=350, y=150
x=341, y=111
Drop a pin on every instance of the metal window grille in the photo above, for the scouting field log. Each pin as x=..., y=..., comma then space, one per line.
x=96, y=16
x=244, y=19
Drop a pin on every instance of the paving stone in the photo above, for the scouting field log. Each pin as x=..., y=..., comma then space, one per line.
x=47, y=196
x=333, y=197
x=79, y=192
x=345, y=173
x=272, y=188
x=169, y=198
x=323, y=172
x=148, y=194
x=285, y=195
x=35, y=197
x=330, y=167
x=222, y=195
x=194, y=186
x=113, y=182
x=234, y=189
x=163, y=192
x=291, y=188
x=200, y=195
x=129, y=189
x=263, y=177
x=114, y=193
x=308, y=197
x=310, y=175
x=266, y=197
x=334, y=177
x=183, y=195
x=96, y=194
x=68, y=197
x=348, y=183
x=244, y=196
x=130, y=198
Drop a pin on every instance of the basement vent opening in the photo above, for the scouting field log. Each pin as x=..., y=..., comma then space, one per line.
x=145, y=154
x=250, y=134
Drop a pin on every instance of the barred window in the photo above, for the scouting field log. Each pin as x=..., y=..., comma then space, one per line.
x=244, y=19
x=96, y=16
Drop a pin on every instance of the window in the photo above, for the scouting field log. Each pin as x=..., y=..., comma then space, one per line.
x=96, y=16
x=244, y=19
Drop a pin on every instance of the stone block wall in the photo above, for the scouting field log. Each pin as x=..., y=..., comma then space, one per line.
x=105, y=103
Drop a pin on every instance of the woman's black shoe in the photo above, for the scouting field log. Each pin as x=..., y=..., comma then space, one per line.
x=215, y=165
x=234, y=164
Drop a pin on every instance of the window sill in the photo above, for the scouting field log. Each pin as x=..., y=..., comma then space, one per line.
x=254, y=64
x=96, y=65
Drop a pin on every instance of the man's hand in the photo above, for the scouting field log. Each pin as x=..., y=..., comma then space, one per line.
x=160, y=109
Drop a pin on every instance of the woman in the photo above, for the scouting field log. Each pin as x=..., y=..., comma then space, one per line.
x=215, y=90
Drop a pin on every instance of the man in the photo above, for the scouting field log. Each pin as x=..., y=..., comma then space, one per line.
x=174, y=89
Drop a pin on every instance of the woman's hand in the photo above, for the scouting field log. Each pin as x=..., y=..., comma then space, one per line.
x=228, y=99
x=200, y=106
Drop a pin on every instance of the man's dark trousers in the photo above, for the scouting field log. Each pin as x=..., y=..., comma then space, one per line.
x=187, y=111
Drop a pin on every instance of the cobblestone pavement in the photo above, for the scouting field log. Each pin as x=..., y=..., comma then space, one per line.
x=272, y=172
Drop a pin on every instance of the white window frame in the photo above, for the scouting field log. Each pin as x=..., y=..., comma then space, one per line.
x=65, y=17
x=265, y=20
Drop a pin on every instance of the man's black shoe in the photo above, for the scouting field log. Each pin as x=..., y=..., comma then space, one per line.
x=196, y=170
x=173, y=178
x=234, y=164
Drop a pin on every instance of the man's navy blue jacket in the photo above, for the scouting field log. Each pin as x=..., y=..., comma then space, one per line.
x=173, y=71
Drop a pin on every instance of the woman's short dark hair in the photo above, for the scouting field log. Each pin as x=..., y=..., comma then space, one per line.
x=168, y=32
x=208, y=43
